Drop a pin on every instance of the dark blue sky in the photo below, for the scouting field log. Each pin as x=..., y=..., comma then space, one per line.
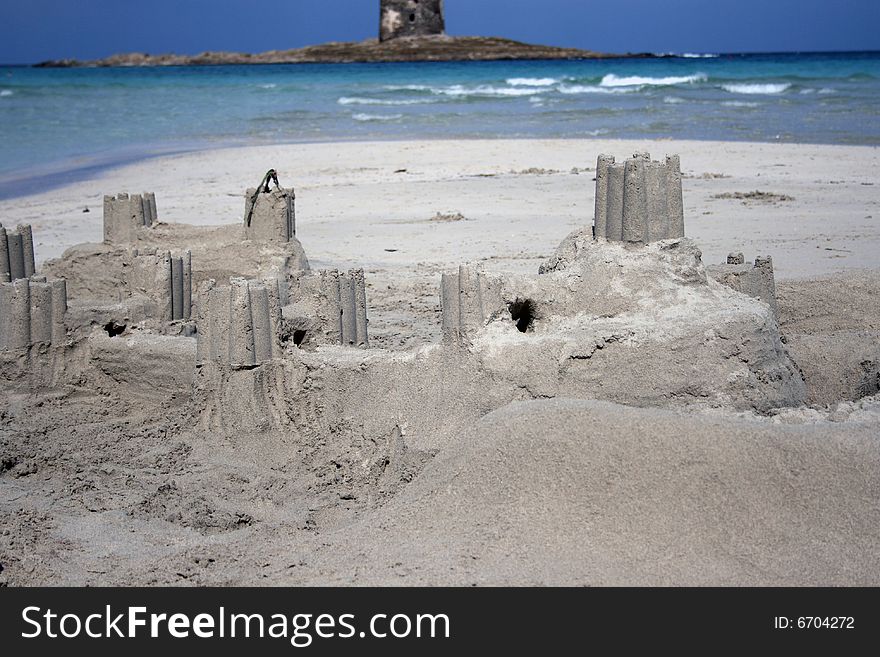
x=34, y=30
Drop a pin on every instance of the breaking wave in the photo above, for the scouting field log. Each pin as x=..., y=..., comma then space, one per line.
x=486, y=90
x=753, y=88
x=6, y=92
x=532, y=82
x=612, y=80
x=452, y=91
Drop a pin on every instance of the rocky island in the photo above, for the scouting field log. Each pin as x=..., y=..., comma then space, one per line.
x=439, y=48
x=408, y=32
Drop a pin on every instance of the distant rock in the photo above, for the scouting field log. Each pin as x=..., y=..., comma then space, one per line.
x=438, y=48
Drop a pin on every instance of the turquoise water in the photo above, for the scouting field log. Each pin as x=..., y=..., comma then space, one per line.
x=61, y=121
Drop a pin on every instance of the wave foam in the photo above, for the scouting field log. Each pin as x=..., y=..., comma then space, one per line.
x=698, y=55
x=458, y=90
x=754, y=88
x=453, y=91
x=738, y=103
x=407, y=87
x=824, y=91
x=612, y=80
x=354, y=100
x=532, y=82
x=376, y=117
x=592, y=89
x=673, y=100
x=6, y=92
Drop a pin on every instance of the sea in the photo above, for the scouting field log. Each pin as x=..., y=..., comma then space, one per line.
x=60, y=124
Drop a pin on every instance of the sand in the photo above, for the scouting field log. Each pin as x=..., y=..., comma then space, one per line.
x=370, y=205
x=403, y=476
x=354, y=201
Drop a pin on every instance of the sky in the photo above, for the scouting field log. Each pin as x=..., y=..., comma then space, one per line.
x=32, y=31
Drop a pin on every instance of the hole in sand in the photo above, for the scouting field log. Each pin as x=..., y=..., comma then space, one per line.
x=870, y=384
x=522, y=311
x=113, y=329
x=299, y=337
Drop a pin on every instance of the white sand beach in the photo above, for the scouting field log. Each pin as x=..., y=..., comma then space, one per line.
x=357, y=200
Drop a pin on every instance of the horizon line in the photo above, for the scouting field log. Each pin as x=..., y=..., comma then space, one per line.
x=670, y=54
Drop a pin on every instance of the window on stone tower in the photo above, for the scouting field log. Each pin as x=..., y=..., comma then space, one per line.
x=412, y=18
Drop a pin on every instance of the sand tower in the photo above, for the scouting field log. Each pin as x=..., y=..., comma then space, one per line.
x=638, y=201
x=408, y=18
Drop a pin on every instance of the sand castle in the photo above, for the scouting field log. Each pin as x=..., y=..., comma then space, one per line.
x=624, y=310
x=603, y=317
x=224, y=342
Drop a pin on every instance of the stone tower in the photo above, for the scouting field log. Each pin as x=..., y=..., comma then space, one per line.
x=407, y=18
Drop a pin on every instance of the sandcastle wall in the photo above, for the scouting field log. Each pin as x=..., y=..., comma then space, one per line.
x=755, y=280
x=164, y=278
x=639, y=201
x=329, y=307
x=467, y=300
x=16, y=253
x=125, y=215
x=270, y=216
x=239, y=325
x=32, y=312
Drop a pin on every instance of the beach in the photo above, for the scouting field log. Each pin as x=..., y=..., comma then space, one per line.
x=543, y=297
x=491, y=458
x=376, y=205
x=575, y=411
